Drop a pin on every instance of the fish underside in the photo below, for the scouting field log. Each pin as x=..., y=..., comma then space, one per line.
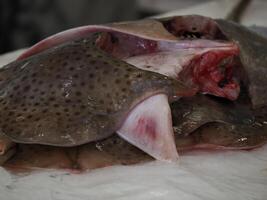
x=156, y=87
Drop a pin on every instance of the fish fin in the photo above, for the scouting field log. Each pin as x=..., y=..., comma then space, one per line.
x=149, y=127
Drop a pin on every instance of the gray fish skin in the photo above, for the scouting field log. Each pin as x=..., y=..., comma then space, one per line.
x=73, y=94
x=192, y=112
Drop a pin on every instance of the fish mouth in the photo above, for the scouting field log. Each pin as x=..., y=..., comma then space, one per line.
x=213, y=72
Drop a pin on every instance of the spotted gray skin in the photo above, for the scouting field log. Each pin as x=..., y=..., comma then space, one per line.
x=73, y=94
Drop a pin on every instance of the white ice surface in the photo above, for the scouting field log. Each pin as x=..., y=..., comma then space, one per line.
x=229, y=175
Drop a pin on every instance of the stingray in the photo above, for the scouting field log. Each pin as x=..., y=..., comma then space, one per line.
x=72, y=91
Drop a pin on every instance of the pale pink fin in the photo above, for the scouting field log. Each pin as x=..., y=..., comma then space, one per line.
x=149, y=127
x=61, y=37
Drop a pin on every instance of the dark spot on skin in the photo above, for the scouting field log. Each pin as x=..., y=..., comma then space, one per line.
x=58, y=76
x=67, y=101
x=82, y=83
x=117, y=81
x=56, y=105
x=26, y=88
x=42, y=92
x=92, y=62
x=71, y=68
x=33, y=75
x=77, y=113
x=128, y=82
x=139, y=75
x=16, y=87
x=115, y=69
x=64, y=64
x=78, y=93
x=37, y=119
x=24, y=78
x=31, y=97
x=101, y=101
x=66, y=110
x=51, y=99
x=91, y=75
x=78, y=58
x=123, y=89
x=104, y=85
x=82, y=107
x=29, y=116
x=10, y=113
x=44, y=111
x=76, y=76
x=91, y=87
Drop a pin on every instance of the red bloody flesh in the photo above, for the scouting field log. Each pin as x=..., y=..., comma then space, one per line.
x=213, y=73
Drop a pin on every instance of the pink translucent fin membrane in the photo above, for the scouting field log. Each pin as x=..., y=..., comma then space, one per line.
x=149, y=127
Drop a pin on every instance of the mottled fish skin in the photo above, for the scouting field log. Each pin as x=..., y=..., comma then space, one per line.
x=190, y=113
x=224, y=136
x=73, y=94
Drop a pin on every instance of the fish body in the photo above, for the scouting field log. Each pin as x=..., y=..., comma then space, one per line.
x=81, y=86
x=75, y=93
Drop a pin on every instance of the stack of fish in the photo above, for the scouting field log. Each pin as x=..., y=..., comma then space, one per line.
x=128, y=92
